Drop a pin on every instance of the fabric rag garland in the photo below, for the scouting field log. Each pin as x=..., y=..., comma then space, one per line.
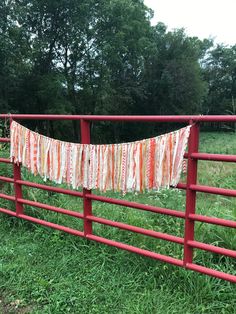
x=139, y=166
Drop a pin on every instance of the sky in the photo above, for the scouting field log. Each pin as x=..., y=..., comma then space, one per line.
x=201, y=18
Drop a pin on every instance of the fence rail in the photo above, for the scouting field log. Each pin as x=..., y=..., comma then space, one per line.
x=191, y=187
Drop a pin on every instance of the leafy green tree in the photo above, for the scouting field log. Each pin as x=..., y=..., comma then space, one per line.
x=104, y=57
x=219, y=70
x=175, y=84
x=13, y=61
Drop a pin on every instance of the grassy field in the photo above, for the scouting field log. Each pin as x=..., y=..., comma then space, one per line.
x=47, y=271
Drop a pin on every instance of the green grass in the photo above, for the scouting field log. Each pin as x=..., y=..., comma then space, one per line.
x=47, y=271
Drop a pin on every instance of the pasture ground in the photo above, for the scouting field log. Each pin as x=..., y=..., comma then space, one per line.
x=45, y=271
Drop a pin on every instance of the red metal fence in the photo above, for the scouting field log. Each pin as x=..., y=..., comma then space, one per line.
x=191, y=188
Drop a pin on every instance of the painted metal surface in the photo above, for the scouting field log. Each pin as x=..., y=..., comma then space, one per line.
x=183, y=118
x=190, y=194
x=189, y=216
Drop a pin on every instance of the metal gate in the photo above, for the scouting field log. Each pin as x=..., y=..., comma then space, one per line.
x=191, y=187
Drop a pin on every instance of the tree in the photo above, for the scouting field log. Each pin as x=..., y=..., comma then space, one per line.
x=13, y=47
x=104, y=57
x=173, y=72
x=219, y=70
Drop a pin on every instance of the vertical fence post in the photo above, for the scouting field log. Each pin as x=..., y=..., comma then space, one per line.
x=190, y=194
x=18, y=189
x=87, y=203
x=17, y=186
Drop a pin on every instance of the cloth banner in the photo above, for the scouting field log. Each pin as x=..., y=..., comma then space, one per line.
x=139, y=166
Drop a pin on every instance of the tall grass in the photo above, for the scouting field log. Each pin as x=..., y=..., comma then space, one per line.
x=47, y=271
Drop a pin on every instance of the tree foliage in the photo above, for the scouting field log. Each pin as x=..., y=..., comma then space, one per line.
x=219, y=69
x=104, y=57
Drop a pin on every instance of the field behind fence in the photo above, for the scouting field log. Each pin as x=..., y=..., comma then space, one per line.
x=46, y=271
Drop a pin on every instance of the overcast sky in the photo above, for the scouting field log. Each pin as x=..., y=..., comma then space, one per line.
x=201, y=18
